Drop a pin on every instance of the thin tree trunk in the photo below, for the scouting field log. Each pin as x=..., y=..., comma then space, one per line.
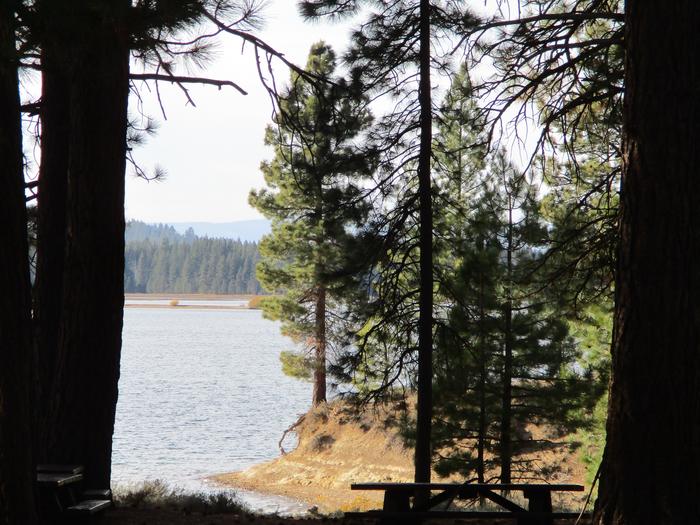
x=85, y=392
x=506, y=448
x=319, y=381
x=16, y=462
x=651, y=468
x=460, y=157
x=425, y=320
x=319, y=393
x=481, y=445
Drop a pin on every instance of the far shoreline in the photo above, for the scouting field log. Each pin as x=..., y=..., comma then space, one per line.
x=189, y=296
x=176, y=300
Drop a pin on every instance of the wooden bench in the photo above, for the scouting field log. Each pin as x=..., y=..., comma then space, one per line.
x=397, y=501
x=88, y=507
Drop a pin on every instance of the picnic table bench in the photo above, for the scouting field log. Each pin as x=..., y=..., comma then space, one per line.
x=60, y=488
x=397, y=501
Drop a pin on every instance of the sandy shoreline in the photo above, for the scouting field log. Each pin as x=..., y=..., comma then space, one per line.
x=335, y=449
x=187, y=297
x=175, y=300
x=190, y=306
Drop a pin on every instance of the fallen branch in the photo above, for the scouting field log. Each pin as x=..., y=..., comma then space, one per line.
x=290, y=429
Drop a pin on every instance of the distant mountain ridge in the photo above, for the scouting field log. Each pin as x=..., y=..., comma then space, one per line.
x=250, y=230
x=137, y=231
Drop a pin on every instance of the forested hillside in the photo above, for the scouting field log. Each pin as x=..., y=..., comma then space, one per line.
x=141, y=231
x=159, y=260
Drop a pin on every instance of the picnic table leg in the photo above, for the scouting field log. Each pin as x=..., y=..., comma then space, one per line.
x=395, y=501
x=539, y=501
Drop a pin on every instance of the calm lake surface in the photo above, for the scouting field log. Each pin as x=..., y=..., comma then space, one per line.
x=202, y=392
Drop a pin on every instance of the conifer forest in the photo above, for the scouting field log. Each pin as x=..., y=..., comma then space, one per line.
x=159, y=260
x=484, y=210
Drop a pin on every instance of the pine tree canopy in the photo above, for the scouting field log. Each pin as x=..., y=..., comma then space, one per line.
x=313, y=197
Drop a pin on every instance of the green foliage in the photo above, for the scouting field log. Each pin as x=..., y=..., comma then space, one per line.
x=300, y=366
x=583, y=210
x=510, y=271
x=395, y=47
x=592, y=439
x=584, y=174
x=495, y=309
x=314, y=201
x=593, y=333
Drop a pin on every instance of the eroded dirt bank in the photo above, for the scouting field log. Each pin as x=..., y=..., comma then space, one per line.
x=338, y=447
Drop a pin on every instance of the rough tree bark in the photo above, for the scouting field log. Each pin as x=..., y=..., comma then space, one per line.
x=51, y=224
x=85, y=389
x=319, y=380
x=319, y=391
x=425, y=320
x=651, y=467
x=16, y=462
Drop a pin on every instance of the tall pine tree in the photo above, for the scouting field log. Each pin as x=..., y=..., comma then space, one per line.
x=314, y=200
x=506, y=359
x=394, y=55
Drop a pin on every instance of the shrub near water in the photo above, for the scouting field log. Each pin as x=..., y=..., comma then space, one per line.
x=158, y=494
x=255, y=302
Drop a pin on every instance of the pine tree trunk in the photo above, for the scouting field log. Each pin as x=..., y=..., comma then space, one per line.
x=506, y=448
x=319, y=393
x=85, y=392
x=51, y=227
x=481, y=445
x=425, y=320
x=16, y=462
x=651, y=468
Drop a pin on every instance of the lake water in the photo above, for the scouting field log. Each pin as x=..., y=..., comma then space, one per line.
x=202, y=392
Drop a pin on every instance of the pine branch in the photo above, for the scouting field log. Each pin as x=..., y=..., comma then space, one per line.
x=177, y=79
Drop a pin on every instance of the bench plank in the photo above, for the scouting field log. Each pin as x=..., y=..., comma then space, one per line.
x=57, y=479
x=97, y=494
x=463, y=514
x=55, y=468
x=90, y=506
x=410, y=487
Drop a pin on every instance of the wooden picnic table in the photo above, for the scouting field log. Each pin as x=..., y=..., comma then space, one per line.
x=397, y=501
x=59, y=488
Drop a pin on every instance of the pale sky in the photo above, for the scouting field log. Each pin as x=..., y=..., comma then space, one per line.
x=212, y=152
